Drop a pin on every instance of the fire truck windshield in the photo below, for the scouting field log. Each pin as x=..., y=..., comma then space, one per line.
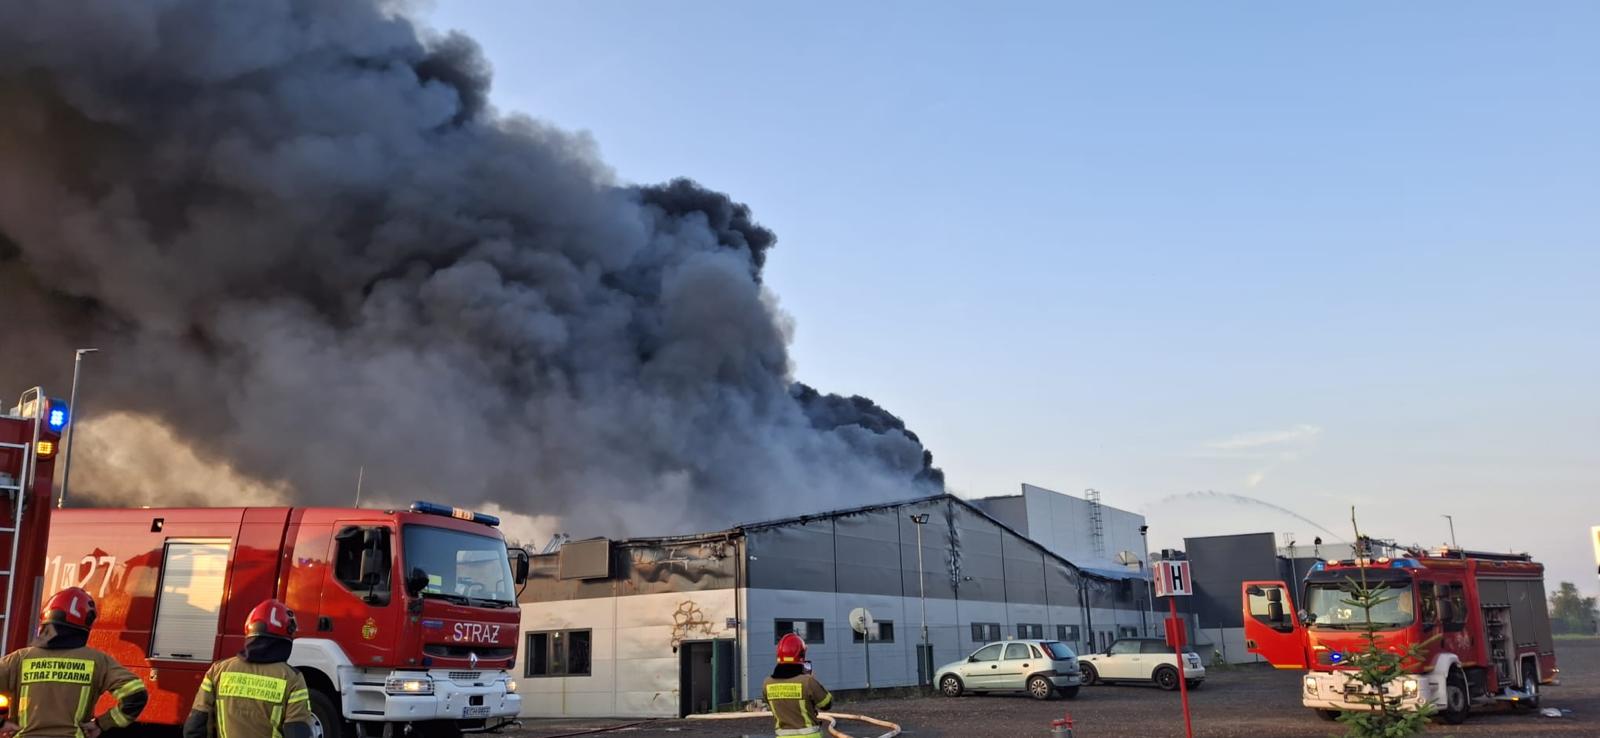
x=1328, y=603
x=460, y=567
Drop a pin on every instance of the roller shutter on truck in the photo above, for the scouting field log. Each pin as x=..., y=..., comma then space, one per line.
x=189, y=605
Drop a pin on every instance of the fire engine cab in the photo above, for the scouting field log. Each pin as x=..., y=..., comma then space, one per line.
x=1481, y=618
x=408, y=619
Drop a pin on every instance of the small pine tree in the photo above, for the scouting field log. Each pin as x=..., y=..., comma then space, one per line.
x=1378, y=667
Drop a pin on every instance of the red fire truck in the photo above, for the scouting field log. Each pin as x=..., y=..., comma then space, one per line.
x=408, y=618
x=1482, y=616
x=30, y=436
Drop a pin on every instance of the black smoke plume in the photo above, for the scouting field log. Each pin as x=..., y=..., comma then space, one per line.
x=307, y=244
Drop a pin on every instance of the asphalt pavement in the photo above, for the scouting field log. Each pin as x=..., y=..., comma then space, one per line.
x=1254, y=701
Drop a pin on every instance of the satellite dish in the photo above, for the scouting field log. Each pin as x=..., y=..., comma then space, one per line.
x=1128, y=558
x=861, y=621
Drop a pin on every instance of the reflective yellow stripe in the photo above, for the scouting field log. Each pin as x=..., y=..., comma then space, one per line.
x=22, y=709
x=83, y=710
x=120, y=718
x=823, y=705
x=222, y=723
x=128, y=688
x=277, y=721
x=300, y=695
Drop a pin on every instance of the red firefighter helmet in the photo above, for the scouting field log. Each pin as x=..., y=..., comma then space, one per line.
x=791, y=649
x=270, y=618
x=71, y=607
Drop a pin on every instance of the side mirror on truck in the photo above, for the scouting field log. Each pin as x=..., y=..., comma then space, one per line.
x=416, y=581
x=371, y=557
x=520, y=563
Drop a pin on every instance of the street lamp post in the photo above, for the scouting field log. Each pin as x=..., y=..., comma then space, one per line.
x=72, y=424
x=1149, y=582
x=924, y=664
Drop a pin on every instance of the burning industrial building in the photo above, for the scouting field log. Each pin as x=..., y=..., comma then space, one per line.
x=306, y=245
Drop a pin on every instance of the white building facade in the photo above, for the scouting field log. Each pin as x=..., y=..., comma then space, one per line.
x=687, y=624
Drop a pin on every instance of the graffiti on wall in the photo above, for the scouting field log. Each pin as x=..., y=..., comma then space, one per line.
x=689, y=622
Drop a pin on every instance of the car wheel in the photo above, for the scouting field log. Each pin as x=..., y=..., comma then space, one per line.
x=1166, y=677
x=950, y=686
x=1068, y=692
x=1195, y=684
x=1091, y=675
x=1041, y=688
x=1456, y=699
x=1329, y=715
x=1530, y=686
x=326, y=722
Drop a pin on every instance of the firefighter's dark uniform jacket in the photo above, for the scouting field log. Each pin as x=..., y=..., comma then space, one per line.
x=54, y=683
x=252, y=695
x=795, y=698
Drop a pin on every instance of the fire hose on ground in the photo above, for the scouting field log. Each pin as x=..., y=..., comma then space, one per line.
x=831, y=718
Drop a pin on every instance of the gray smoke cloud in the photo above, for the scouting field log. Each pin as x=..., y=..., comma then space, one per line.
x=305, y=242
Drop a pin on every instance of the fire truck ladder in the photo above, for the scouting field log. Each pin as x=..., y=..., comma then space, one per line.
x=13, y=485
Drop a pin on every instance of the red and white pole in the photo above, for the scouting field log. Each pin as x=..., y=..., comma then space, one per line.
x=1176, y=631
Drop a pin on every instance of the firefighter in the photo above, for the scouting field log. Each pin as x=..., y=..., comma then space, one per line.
x=255, y=694
x=57, y=679
x=793, y=694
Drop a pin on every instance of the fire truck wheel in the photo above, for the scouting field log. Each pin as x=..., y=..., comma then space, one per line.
x=1457, y=700
x=326, y=722
x=1166, y=678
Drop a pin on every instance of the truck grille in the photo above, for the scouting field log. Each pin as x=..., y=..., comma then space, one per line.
x=465, y=676
x=461, y=652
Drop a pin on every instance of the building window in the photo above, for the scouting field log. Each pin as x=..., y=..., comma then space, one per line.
x=811, y=630
x=1127, y=632
x=1068, y=633
x=985, y=632
x=1030, y=630
x=885, y=633
x=557, y=653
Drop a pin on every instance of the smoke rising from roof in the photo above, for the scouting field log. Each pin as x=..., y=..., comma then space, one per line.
x=305, y=243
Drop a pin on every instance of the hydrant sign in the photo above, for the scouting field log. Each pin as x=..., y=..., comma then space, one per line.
x=1172, y=579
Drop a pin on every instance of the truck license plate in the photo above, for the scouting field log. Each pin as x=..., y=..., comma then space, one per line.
x=474, y=711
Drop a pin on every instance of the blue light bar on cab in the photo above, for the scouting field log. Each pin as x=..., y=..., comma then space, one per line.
x=434, y=508
x=1405, y=564
x=56, y=415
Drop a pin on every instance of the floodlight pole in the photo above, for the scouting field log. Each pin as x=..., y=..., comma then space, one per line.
x=72, y=424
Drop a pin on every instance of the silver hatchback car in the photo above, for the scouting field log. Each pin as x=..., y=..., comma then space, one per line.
x=1043, y=669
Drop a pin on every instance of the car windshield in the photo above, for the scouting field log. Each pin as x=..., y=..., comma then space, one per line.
x=1329, y=605
x=1059, y=651
x=461, y=567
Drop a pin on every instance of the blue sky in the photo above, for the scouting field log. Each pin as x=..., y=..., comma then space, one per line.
x=1320, y=256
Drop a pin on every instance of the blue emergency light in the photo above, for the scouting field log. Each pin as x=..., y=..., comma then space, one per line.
x=434, y=508
x=56, y=416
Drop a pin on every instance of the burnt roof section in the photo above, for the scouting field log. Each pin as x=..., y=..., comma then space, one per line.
x=949, y=499
x=945, y=498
